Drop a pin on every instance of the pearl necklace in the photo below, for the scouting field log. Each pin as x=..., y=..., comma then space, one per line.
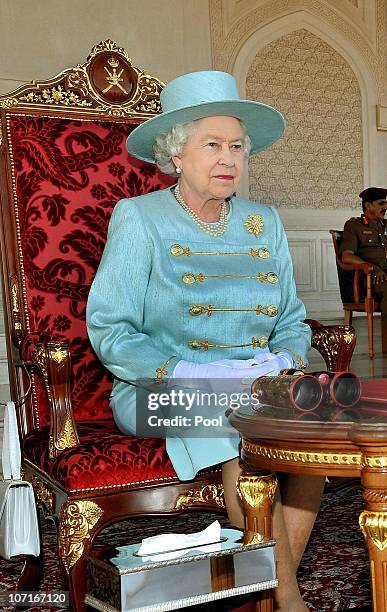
x=213, y=229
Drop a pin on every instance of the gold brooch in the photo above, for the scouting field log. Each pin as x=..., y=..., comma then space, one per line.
x=254, y=224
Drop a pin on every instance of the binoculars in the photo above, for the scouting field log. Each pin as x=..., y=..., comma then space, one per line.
x=306, y=392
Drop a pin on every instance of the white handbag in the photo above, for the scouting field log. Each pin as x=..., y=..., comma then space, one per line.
x=19, y=529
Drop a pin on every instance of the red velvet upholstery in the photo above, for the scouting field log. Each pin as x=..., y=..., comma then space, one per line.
x=104, y=458
x=69, y=174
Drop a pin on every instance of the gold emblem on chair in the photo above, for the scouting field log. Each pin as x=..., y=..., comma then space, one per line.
x=43, y=494
x=58, y=355
x=254, y=224
x=106, y=83
x=114, y=79
x=348, y=336
x=67, y=437
x=77, y=519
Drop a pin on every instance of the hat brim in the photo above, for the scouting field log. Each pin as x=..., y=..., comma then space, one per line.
x=264, y=124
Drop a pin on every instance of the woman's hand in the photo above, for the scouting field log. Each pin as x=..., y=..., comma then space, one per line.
x=231, y=375
x=278, y=361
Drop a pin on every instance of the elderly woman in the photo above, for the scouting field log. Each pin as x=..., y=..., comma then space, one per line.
x=196, y=283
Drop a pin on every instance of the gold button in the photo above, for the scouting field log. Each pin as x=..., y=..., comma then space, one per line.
x=176, y=250
x=196, y=345
x=272, y=278
x=262, y=342
x=188, y=278
x=272, y=311
x=263, y=253
x=196, y=310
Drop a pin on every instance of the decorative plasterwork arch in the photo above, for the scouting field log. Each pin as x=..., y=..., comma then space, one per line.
x=368, y=86
x=319, y=161
x=227, y=45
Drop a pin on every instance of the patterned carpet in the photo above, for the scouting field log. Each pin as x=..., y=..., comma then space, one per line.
x=333, y=576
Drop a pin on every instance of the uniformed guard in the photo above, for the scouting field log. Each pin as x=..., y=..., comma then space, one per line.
x=365, y=239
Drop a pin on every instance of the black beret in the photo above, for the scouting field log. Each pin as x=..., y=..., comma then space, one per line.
x=373, y=193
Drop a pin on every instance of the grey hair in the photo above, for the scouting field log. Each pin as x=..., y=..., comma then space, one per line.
x=172, y=143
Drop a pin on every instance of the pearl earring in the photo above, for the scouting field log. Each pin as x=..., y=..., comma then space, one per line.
x=178, y=170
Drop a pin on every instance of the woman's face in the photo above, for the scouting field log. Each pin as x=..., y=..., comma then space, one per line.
x=213, y=158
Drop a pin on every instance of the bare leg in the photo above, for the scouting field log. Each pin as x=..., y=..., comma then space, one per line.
x=287, y=597
x=302, y=499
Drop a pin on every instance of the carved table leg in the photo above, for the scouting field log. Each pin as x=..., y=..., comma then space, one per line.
x=257, y=494
x=373, y=523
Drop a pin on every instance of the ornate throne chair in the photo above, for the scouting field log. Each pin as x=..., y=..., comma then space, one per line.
x=63, y=167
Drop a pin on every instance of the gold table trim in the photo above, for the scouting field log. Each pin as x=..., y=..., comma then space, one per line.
x=320, y=458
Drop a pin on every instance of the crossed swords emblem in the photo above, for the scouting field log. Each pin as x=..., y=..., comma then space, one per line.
x=114, y=79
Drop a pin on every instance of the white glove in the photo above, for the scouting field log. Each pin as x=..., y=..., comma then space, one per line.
x=227, y=375
x=225, y=368
x=274, y=362
x=231, y=375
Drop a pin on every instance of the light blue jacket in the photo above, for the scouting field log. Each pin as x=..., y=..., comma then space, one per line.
x=166, y=291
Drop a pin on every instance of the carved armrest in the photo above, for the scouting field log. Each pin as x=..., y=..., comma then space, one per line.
x=335, y=343
x=360, y=268
x=365, y=267
x=50, y=358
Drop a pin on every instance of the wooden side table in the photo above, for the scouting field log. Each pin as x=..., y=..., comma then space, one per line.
x=350, y=443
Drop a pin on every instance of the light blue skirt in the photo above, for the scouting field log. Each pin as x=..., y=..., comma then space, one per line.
x=188, y=455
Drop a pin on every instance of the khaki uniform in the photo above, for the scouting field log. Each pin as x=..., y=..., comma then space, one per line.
x=368, y=240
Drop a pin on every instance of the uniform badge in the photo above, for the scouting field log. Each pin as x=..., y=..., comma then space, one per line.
x=254, y=224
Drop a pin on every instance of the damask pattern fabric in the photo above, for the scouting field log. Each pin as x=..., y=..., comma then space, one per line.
x=68, y=177
x=104, y=458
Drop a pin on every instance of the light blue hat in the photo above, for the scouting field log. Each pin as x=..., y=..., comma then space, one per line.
x=206, y=94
